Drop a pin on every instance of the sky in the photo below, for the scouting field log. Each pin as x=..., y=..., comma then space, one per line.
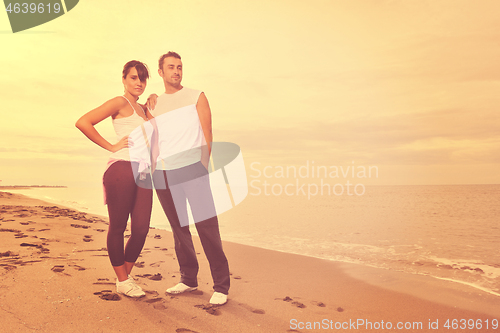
x=411, y=87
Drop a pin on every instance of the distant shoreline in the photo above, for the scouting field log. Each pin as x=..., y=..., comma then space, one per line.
x=24, y=187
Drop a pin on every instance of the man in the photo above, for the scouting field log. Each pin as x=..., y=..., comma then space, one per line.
x=184, y=125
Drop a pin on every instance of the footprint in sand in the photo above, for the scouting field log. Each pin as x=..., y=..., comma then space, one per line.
x=7, y=254
x=320, y=304
x=111, y=297
x=92, y=250
x=251, y=309
x=289, y=299
x=154, y=300
x=77, y=267
x=8, y=267
x=155, y=277
x=58, y=268
x=210, y=308
x=10, y=230
x=43, y=249
x=32, y=245
x=80, y=226
x=153, y=293
x=182, y=330
x=104, y=281
x=299, y=305
x=156, y=264
x=160, y=306
x=103, y=292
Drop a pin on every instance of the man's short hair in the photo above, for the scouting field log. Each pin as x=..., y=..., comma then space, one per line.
x=166, y=55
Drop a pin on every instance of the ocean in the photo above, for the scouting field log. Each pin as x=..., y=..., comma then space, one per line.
x=445, y=231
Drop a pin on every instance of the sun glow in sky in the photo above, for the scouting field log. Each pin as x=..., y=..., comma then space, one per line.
x=411, y=87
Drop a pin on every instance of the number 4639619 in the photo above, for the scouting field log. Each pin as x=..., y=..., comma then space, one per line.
x=471, y=324
x=32, y=8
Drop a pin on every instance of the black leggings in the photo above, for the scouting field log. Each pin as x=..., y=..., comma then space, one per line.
x=126, y=197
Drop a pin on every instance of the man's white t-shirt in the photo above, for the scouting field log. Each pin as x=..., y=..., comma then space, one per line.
x=180, y=135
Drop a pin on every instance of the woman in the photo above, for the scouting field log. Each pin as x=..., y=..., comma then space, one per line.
x=127, y=184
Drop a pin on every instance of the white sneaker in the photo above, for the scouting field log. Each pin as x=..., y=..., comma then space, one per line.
x=218, y=298
x=180, y=288
x=133, y=281
x=129, y=288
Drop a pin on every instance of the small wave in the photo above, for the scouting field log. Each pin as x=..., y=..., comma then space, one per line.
x=470, y=266
x=474, y=285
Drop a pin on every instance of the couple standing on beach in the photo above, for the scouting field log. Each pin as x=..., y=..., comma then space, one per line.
x=165, y=144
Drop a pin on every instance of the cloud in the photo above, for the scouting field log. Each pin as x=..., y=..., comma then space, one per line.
x=425, y=138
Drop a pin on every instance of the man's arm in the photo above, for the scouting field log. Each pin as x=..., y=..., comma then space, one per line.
x=151, y=102
x=154, y=151
x=205, y=116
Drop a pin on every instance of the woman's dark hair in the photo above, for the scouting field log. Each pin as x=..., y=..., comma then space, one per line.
x=141, y=68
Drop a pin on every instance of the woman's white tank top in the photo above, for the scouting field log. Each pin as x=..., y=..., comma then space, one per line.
x=123, y=127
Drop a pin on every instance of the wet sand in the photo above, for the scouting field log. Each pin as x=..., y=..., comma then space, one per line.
x=55, y=276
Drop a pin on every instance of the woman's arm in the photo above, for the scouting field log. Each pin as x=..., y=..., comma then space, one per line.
x=87, y=121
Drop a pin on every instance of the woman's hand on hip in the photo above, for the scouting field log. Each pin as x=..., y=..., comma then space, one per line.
x=124, y=142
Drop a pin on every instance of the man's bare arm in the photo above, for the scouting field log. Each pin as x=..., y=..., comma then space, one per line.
x=205, y=116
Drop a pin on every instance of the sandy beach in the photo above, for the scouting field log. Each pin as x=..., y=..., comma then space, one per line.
x=55, y=276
